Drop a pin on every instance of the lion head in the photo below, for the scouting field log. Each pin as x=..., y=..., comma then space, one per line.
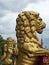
x=39, y=25
x=34, y=21
x=11, y=41
x=29, y=22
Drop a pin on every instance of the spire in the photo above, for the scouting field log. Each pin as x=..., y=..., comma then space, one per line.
x=42, y=42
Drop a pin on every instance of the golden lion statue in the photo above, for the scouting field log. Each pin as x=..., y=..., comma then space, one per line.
x=27, y=24
x=9, y=50
x=28, y=51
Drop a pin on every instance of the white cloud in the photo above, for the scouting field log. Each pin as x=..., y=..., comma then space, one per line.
x=14, y=5
x=7, y=24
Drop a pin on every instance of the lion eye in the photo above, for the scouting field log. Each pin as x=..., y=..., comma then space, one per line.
x=40, y=19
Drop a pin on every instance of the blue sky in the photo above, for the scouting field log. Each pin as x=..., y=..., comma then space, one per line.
x=9, y=9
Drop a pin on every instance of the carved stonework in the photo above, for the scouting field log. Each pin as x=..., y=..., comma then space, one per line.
x=8, y=51
x=27, y=24
x=28, y=50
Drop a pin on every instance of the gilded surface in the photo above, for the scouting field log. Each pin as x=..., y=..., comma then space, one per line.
x=28, y=23
x=8, y=51
x=28, y=50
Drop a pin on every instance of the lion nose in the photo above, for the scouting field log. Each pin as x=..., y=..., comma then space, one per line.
x=43, y=25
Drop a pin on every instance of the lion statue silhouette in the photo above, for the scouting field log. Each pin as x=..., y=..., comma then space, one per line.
x=28, y=23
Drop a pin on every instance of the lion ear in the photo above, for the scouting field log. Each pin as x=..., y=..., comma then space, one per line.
x=33, y=29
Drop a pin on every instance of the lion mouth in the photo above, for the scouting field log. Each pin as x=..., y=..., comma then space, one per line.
x=42, y=28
